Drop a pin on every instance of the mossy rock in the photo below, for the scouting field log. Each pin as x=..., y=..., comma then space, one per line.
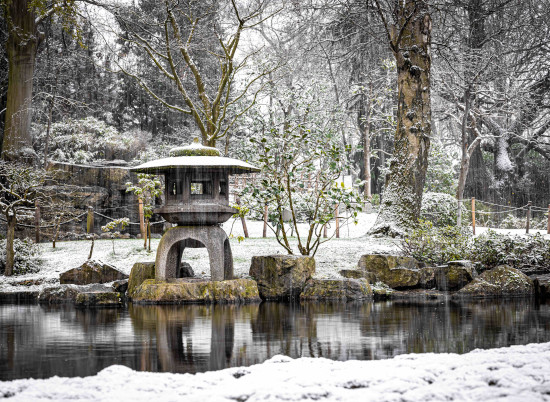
x=181, y=290
x=61, y=294
x=281, y=277
x=396, y=271
x=99, y=299
x=427, y=278
x=337, y=289
x=502, y=281
x=454, y=276
x=358, y=274
x=382, y=262
x=91, y=271
x=140, y=272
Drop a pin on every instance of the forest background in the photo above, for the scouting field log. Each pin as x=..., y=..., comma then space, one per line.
x=326, y=63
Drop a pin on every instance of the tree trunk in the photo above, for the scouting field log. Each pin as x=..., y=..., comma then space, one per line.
x=410, y=42
x=366, y=147
x=146, y=233
x=10, y=252
x=149, y=233
x=91, y=247
x=21, y=51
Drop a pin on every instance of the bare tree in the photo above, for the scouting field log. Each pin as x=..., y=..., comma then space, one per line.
x=173, y=40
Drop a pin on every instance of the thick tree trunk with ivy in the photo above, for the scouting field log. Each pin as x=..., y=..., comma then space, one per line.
x=21, y=50
x=10, y=236
x=409, y=37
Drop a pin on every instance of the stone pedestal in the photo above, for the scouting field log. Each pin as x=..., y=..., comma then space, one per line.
x=176, y=239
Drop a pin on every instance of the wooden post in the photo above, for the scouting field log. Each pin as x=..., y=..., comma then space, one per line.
x=337, y=222
x=474, y=215
x=141, y=218
x=90, y=221
x=37, y=222
x=548, y=226
x=264, y=233
x=528, y=220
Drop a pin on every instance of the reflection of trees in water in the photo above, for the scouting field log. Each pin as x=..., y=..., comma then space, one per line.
x=41, y=341
x=44, y=340
x=399, y=327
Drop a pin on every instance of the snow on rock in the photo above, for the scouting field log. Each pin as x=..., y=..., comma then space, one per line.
x=517, y=373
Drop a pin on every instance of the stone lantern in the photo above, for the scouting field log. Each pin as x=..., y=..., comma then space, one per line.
x=197, y=201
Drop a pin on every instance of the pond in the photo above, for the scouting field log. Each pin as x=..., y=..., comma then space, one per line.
x=41, y=341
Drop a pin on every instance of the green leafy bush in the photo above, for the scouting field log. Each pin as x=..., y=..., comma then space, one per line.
x=436, y=245
x=441, y=209
x=27, y=259
x=523, y=252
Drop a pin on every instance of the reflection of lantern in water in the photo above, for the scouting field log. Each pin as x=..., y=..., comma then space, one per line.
x=197, y=200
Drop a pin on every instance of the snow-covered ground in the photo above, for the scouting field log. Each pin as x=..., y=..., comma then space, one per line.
x=332, y=256
x=517, y=373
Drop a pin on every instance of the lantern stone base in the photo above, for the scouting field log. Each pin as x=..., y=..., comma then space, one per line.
x=176, y=239
x=195, y=290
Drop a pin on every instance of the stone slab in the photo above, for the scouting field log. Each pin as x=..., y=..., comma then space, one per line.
x=337, y=289
x=99, y=299
x=196, y=290
x=91, y=271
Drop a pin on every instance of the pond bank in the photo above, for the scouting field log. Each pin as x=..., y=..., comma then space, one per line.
x=517, y=373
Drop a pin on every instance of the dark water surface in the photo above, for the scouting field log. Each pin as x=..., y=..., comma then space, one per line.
x=42, y=341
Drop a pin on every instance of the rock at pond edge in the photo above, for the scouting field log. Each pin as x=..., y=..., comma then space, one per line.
x=181, y=291
x=502, y=281
x=337, y=289
x=140, y=272
x=92, y=271
x=99, y=299
x=281, y=277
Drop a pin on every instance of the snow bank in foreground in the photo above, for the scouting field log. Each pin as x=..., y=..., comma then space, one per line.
x=517, y=373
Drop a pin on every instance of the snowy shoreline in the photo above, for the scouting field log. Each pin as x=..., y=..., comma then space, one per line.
x=516, y=373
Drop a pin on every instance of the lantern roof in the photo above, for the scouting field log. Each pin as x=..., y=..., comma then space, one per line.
x=195, y=157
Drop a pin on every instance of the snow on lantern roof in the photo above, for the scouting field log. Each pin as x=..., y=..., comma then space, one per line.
x=195, y=156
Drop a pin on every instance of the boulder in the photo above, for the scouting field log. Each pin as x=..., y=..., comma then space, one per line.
x=91, y=271
x=186, y=271
x=337, y=289
x=281, y=277
x=358, y=274
x=383, y=262
x=454, y=276
x=59, y=294
x=99, y=299
x=427, y=278
x=120, y=286
x=542, y=285
x=500, y=281
x=395, y=271
x=140, y=272
x=195, y=290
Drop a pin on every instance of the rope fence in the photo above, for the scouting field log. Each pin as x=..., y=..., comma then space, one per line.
x=529, y=209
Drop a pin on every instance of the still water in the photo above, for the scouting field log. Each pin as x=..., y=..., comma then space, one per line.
x=42, y=341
